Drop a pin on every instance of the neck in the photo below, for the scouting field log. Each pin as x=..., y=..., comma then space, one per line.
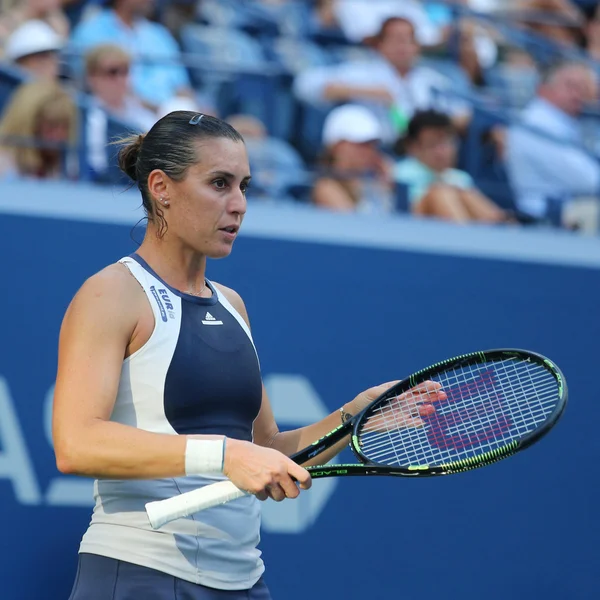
x=549, y=100
x=50, y=162
x=32, y=13
x=126, y=15
x=176, y=263
x=432, y=169
x=402, y=70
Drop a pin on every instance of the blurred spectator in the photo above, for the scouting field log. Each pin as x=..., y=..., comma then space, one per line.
x=157, y=72
x=15, y=13
x=471, y=40
x=546, y=159
x=592, y=34
x=323, y=22
x=248, y=126
x=435, y=187
x=392, y=84
x=107, y=75
x=363, y=19
x=278, y=171
x=107, y=69
x=358, y=176
x=174, y=14
x=34, y=47
x=559, y=20
x=36, y=126
x=77, y=9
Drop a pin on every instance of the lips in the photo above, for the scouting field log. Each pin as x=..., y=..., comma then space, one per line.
x=230, y=231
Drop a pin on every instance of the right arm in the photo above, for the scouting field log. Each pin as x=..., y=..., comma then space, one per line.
x=340, y=92
x=564, y=165
x=101, y=327
x=340, y=84
x=97, y=330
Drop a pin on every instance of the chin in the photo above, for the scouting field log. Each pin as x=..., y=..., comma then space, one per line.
x=222, y=252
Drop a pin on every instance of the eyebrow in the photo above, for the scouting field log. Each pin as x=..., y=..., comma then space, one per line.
x=228, y=175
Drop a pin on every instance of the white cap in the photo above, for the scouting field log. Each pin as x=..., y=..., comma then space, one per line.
x=351, y=123
x=30, y=38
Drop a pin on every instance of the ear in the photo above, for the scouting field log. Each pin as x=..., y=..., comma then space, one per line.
x=158, y=184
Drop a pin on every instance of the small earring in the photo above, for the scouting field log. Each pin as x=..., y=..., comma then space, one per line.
x=165, y=202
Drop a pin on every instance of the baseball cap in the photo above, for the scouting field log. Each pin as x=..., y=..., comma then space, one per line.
x=351, y=123
x=30, y=38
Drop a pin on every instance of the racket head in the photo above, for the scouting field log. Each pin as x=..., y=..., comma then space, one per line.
x=495, y=403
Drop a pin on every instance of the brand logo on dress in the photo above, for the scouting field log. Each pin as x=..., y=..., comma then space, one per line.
x=161, y=296
x=210, y=320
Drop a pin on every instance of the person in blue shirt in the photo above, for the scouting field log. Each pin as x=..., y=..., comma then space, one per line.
x=157, y=74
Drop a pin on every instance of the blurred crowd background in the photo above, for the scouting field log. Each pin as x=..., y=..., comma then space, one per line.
x=474, y=111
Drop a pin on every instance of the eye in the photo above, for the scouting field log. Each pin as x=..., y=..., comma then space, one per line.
x=220, y=183
x=244, y=186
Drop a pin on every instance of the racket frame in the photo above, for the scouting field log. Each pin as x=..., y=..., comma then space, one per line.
x=367, y=467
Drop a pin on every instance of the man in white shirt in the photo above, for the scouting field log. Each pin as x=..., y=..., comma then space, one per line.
x=545, y=154
x=360, y=19
x=391, y=84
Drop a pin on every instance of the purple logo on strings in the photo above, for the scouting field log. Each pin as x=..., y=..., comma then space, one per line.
x=471, y=415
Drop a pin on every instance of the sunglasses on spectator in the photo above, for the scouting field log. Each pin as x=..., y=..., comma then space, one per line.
x=120, y=71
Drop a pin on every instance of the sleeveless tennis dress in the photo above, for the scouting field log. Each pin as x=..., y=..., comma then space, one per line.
x=197, y=374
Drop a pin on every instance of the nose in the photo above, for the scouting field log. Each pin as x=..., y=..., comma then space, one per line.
x=238, y=203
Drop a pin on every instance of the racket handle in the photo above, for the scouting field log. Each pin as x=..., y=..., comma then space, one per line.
x=162, y=512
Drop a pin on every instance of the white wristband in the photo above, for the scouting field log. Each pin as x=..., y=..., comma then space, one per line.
x=204, y=456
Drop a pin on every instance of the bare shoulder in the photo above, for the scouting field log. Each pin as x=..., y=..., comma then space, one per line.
x=234, y=298
x=114, y=281
x=330, y=193
x=111, y=293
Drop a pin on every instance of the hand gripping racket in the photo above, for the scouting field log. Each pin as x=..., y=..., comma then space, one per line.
x=457, y=415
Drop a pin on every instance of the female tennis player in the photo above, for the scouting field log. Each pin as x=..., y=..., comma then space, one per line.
x=159, y=388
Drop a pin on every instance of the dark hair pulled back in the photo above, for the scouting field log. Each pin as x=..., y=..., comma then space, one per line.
x=171, y=146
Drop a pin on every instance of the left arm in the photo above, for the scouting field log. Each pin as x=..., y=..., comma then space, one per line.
x=266, y=431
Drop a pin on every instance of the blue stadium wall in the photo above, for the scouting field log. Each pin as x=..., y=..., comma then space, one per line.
x=337, y=303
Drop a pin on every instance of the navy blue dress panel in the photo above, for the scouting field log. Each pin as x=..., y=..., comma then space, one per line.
x=213, y=384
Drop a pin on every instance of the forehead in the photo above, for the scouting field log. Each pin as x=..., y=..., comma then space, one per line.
x=398, y=29
x=577, y=75
x=222, y=154
x=113, y=58
x=434, y=132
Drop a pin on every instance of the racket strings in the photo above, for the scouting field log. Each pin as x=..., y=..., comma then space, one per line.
x=488, y=405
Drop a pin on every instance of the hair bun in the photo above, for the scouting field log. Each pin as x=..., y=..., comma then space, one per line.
x=129, y=154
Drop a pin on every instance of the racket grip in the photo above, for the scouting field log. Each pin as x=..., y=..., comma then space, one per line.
x=162, y=512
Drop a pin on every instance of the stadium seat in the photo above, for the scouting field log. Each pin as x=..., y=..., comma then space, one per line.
x=307, y=135
x=401, y=198
x=220, y=13
x=250, y=17
x=449, y=69
x=479, y=158
x=297, y=54
x=511, y=86
x=223, y=47
x=277, y=169
x=235, y=69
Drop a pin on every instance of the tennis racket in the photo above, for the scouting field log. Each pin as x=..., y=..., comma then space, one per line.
x=460, y=414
